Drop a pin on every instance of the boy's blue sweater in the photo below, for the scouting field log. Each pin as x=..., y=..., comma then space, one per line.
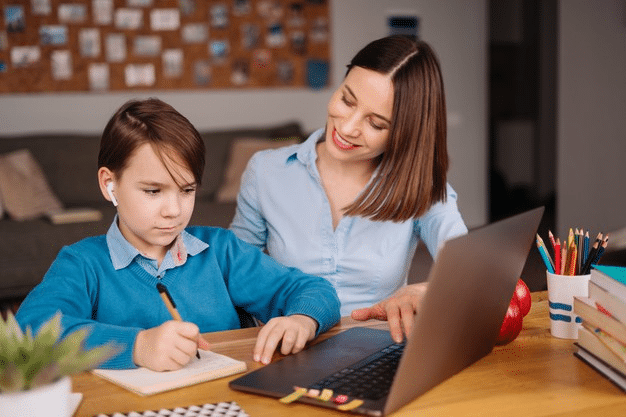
x=84, y=286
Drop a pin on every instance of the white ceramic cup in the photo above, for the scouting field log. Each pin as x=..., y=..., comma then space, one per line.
x=564, y=324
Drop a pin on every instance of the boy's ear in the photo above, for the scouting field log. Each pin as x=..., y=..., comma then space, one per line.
x=105, y=177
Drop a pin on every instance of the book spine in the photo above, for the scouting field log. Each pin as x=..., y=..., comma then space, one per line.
x=591, y=315
x=609, y=284
x=600, y=367
x=614, y=305
x=599, y=346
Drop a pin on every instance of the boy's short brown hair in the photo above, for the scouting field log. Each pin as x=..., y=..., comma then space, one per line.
x=158, y=124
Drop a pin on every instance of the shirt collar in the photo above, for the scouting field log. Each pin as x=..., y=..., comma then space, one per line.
x=306, y=153
x=123, y=253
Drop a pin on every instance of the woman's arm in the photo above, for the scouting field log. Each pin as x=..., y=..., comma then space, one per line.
x=443, y=221
x=249, y=224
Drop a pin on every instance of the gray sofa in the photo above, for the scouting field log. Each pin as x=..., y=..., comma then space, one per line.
x=69, y=162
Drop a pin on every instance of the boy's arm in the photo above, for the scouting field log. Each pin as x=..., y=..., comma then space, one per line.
x=267, y=289
x=291, y=332
x=71, y=286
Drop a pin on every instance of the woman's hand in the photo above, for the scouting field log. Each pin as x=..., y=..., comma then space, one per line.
x=169, y=346
x=399, y=310
x=294, y=331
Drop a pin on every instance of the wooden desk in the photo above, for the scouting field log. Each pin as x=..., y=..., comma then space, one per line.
x=536, y=375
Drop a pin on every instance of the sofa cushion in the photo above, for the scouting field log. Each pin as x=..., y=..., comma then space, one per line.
x=218, y=145
x=241, y=151
x=24, y=188
x=70, y=163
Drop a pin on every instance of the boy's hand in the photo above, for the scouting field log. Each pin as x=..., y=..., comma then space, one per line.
x=294, y=331
x=169, y=346
x=399, y=310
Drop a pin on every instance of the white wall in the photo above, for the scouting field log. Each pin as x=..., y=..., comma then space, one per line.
x=591, y=122
x=456, y=29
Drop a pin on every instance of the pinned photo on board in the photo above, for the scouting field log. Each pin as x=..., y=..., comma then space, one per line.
x=53, y=35
x=202, y=72
x=319, y=30
x=219, y=51
x=219, y=16
x=41, y=7
x=241, y=7
x=89, y=42
x=284, y=72
x=140, y=75
x=102, y=11
x=240, y=72
x=250, y=34
x=128, y=19
x=115, y=46
x=275, y=37
x=25, y=56
x=98, y=75
x=61, y=62
x=14, y=18
x=149, y=45
x=298, y=42
x=172, y=63
x=72, y=13
x=195, y=33
x=187, y=7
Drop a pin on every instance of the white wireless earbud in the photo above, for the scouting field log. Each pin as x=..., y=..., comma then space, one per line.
x=110, y=191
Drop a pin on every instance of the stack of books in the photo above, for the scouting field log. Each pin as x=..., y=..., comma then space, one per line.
x=602, y=338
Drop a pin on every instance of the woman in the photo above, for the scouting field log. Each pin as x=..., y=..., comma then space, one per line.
x=351, y=202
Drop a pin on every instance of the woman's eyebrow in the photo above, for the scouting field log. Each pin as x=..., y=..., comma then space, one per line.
x=380, y=116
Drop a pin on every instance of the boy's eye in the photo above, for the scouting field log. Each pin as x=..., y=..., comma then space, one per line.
x=189, y=190
x=151, y=191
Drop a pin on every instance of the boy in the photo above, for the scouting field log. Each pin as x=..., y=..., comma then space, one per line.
x=150, y=164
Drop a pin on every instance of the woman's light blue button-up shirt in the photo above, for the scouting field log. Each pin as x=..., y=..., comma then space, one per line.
x=282, y=208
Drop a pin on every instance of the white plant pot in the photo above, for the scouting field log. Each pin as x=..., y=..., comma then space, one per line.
x=52, y=400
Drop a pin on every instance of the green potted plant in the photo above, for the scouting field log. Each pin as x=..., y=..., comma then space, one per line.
x=35, y=370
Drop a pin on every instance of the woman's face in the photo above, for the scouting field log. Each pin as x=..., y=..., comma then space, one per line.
x=359, y=116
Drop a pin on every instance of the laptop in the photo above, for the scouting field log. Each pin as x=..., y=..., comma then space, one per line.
x=470, y=286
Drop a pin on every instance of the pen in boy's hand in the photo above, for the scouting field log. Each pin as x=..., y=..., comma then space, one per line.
x=171, y=305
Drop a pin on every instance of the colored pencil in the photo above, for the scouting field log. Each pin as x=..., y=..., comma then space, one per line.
x=592, y=254
x=543, y=251
x=570, y=237
x=585, y=247
x=557, y=256
x=551, y=237
x=579, y=246
x=600, y=251
x=571, y=260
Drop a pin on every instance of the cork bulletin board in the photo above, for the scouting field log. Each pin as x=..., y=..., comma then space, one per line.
x=112, y=45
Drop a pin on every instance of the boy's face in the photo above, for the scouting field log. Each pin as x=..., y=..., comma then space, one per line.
x=152, y=208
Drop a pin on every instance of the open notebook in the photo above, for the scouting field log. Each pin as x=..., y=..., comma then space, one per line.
x=144, y=381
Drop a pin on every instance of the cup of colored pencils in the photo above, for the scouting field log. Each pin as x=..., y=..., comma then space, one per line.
x=568, y=272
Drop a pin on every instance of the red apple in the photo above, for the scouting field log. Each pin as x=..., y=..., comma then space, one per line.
x=523, y=296
x=512, y=324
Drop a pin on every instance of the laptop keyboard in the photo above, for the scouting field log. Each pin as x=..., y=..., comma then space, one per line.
x=369, y=378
